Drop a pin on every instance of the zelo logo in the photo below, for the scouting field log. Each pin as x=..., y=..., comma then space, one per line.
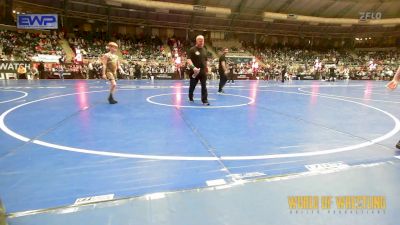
x=370, y=16
x=37, y=21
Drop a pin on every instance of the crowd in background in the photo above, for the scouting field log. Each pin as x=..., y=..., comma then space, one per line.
x=351, y=64
x=23, y=45
x=149, y=55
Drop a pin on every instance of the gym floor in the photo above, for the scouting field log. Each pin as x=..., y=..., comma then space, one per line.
x=61, y=140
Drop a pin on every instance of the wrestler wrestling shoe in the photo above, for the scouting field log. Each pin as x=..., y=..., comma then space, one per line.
x=111, y=100
x=206, y=103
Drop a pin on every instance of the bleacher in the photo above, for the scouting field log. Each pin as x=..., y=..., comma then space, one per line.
x=149, y=56
x=19, y=45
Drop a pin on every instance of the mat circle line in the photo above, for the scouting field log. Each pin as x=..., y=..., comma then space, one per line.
x=198, y=158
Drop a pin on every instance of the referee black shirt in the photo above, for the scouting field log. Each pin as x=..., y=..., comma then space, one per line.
x=220, y=68
x=199, y=58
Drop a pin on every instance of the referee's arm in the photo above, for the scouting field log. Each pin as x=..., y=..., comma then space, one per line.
x=190, y=64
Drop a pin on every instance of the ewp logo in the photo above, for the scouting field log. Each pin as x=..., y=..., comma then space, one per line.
x=37, y=21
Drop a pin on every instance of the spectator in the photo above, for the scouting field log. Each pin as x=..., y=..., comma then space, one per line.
x=21, y=72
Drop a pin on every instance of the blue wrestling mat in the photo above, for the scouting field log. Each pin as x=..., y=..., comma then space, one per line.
x=61, y=141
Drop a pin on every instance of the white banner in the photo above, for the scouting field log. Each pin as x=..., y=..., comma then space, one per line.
x=46, y=58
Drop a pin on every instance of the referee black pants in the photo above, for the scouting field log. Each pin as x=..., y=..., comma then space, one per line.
x=193, y=82
x=231, y=78
x=222, y=81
